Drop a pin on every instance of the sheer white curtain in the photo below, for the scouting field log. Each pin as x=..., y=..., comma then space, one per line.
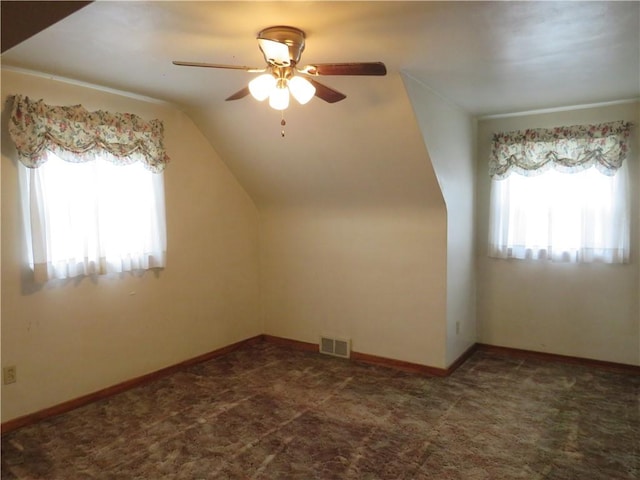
x=561, y=194
x=92, y=218
x=570, y=217
x=92, y=189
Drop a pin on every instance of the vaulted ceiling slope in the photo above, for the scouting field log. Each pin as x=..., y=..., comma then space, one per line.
x=485, y=57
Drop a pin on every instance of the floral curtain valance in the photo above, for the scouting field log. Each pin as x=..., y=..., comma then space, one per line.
x=77, y=135
x=566, y=149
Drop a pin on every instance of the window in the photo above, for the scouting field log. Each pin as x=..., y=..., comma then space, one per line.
x=88, y=208
x=561, y=194
x=93, y=217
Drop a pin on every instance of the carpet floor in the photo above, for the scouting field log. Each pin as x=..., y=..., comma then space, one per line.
x=267, y=412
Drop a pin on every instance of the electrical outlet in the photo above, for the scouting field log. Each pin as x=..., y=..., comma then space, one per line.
x=9, y=375
x=457, y=328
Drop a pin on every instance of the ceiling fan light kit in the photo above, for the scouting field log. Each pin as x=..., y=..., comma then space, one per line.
x=279, y=96
x=280, y=83
x=261, y=86
x=282, y=47
x=301, y=89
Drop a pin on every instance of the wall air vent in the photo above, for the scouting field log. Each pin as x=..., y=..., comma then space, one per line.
x=338, y=347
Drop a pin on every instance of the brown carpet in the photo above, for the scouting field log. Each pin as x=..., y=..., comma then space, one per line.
x=271, y=413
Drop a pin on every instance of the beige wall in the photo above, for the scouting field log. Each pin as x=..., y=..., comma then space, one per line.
x=70, y=338
x=583, y=310
x=449, y=135
x=375, y=276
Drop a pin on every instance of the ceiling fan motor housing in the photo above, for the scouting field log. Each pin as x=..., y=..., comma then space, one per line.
x=292, y=37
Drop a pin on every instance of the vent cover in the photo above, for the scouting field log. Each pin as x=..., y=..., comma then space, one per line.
x=338, y=347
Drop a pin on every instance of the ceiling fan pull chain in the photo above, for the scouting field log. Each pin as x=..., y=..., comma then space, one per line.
x=283, y=123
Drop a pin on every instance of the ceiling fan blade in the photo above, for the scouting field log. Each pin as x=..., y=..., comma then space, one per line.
x=359, y=68
x=325, y=93
x=218, y=65
x=239, y=94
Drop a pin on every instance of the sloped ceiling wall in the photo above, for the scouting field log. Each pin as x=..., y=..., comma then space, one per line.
x=357, y=247
x=361, y=152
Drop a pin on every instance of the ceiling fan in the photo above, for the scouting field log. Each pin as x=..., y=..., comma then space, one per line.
x=282, y=47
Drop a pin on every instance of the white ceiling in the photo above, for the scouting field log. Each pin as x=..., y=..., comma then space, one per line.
x=485, y=57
